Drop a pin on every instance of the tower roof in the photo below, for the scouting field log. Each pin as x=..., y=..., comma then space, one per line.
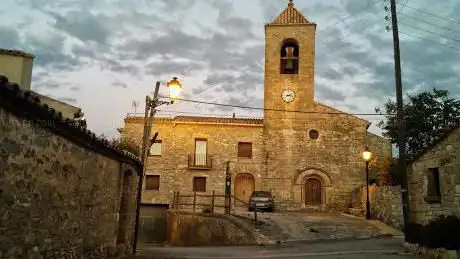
x=291, y=15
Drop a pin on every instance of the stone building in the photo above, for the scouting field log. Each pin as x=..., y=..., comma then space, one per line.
x=64, y=193
x=310, y=158
x=434, y=179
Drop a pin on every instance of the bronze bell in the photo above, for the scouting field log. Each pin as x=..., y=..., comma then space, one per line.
x=289, y=58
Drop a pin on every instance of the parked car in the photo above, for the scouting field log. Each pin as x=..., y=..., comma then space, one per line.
x=261, y=200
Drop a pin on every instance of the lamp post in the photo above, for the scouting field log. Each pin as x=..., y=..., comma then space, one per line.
x=174, y=88
x=367, y=156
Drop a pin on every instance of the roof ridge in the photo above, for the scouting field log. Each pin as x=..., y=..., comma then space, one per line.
x=27, y=104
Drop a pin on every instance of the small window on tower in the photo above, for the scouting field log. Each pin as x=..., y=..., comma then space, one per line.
x=289, y=63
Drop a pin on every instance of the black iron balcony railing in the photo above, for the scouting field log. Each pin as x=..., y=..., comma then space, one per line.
x=199, y=161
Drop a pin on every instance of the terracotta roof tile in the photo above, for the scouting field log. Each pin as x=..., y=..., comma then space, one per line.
x=14, y=52
x=197, y=119
x=291, y=15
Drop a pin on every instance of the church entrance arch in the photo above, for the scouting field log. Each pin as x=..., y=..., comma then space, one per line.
x=312, y=185
x=244, y=186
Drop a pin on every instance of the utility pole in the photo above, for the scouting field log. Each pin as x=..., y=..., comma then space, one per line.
x=150, y=109
x=400, y=116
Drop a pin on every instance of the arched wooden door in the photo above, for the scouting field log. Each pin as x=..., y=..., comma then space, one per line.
x=313, y=192
x=244, y=186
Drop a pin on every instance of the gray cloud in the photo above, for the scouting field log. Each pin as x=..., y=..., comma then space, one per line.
x=329, y=94
x=9, y=38
x=119, y=84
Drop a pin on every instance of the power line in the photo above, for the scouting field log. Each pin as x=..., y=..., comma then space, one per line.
x=418, y=28
x=435, y=42
x=420, y=20
x=350, y=15
x=434, y=15
x=278, y=110
x=403, y=5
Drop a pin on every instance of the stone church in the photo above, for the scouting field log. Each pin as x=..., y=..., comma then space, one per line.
x=306, y=153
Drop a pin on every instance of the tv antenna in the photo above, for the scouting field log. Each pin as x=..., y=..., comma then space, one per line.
x=134, y=105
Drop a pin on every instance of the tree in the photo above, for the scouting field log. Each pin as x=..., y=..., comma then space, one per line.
x=426, y=115
x=127, y=144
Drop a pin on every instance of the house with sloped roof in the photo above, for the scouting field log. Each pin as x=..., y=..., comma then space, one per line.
x=434, y=178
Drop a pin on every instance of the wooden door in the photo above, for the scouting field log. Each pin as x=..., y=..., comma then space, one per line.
x=313, y=192
x=201, y=148
x=244, y=186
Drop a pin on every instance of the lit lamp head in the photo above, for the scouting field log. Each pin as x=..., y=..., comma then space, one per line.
x=367, y=154
x=175, y=88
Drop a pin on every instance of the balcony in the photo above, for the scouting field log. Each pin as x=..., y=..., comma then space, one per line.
x=199, y=161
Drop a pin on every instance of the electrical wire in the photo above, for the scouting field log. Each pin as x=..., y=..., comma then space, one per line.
x=431, y=14
x=421, y=38
x=277, y=110
x=420, y=20
x=435, y=33
x=349, y=16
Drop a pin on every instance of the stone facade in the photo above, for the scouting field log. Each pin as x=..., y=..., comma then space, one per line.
x=385, y=202
x=287, y=158
x=63, y=192
x=444, y=157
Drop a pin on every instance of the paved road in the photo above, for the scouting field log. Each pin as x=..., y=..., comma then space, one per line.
x=314, y=226
x=375, y=248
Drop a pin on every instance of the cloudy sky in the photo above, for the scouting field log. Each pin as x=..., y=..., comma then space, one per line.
x=103, y=55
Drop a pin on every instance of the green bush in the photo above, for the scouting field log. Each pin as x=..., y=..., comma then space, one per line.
x=414, y=233
x=441, y=232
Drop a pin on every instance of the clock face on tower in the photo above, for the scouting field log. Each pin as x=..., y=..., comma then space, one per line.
x=288, y=95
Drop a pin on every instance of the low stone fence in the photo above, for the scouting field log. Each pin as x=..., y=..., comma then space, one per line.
x=385, y=204
x=202, y=229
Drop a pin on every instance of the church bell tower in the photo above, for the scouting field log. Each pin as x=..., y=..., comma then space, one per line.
x=289, y=62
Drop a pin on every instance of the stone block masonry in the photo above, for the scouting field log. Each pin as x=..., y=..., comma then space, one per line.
x=63, y=192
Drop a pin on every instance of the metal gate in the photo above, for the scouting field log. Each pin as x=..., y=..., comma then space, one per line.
x=152, y=223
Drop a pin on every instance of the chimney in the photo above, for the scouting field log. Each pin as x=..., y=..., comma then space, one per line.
x=17, y=66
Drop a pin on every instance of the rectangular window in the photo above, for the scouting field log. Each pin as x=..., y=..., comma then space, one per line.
x=199, y=184
x=245, y=149
x=156, y=148
x=201, y=149
x=152, y=182
x=434, y=185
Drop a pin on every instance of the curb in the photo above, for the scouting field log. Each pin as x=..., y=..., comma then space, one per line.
x=278, y=242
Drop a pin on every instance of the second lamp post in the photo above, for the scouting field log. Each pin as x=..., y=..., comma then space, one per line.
x=367, y=156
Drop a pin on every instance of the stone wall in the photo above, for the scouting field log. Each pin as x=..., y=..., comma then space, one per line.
x=198, y=229
x=385, y=204
x=61, y=191
x=445, y=156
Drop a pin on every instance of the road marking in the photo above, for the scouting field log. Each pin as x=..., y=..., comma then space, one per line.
x=296, y=255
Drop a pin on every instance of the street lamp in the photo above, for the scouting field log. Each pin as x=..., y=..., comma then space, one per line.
x=367, y=156
x=175, y=88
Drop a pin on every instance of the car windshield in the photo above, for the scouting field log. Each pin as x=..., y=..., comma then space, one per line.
x=261, y=194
